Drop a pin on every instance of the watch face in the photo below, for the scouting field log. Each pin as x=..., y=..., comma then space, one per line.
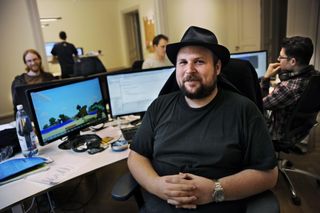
x=218, y=196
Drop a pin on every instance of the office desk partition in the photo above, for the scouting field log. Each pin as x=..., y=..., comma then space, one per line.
x=11, y=194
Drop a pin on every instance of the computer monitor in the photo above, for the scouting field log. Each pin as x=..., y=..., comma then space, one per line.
x=80, y=51
x=65, y=109
x=258, y=59
x=131, y=92
x=21, y=92
x=48, y=47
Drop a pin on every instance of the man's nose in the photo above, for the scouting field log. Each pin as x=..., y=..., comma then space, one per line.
x=190, y=68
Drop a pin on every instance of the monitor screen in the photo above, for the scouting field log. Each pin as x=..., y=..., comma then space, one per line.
x=80, y=51
x=258, y=59
x=48, y=47
x=132, y=92
x=20, y=92
x=65, y=109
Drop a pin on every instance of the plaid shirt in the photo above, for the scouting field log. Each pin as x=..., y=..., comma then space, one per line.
x=282, y=101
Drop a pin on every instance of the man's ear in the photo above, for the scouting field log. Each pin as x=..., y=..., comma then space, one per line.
x=293, y=61
x=218, y=67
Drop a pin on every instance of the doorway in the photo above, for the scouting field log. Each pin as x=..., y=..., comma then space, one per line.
x=133, y=36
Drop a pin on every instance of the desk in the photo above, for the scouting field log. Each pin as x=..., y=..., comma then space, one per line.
x=13, y=193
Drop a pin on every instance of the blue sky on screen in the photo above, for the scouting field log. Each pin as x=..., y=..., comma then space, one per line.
x=64, y=100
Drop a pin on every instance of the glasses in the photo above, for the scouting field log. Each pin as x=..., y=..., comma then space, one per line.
x=283, y=57
x=32, y=60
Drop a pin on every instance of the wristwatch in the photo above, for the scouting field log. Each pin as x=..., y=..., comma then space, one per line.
x=217, y=194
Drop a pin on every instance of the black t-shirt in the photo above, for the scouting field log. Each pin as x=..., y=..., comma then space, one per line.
x=64, y=51
x=222, y=138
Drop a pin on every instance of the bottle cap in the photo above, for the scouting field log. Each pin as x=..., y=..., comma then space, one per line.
x=19, y=107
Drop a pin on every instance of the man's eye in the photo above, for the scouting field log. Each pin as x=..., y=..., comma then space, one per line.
x=182, y=62
x=199, y=62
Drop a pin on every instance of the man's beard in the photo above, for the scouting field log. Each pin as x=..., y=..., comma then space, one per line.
x=202, y=92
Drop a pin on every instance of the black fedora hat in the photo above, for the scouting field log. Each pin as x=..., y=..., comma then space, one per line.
x=199, y=37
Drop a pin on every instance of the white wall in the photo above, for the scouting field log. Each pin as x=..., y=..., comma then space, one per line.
x=205, y=13
x=19, y=26
x=303, y=20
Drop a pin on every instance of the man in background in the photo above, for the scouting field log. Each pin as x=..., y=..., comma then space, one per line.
x=65, y=53
x=294, y=73
x=35, y=73
x=158, y=58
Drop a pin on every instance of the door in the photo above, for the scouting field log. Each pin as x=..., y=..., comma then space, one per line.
x=244, y=23
x=133, y=36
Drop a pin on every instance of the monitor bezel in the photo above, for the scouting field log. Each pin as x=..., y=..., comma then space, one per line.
x=130, y=71
x=253, y=52
x=66, y=134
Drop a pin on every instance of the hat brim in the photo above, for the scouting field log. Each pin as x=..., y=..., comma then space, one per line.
x=220, y=51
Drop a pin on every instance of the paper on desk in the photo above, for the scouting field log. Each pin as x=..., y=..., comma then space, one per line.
x=59, y=172
x=53, y=175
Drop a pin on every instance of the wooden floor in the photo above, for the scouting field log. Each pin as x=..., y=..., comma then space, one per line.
x=93, y=192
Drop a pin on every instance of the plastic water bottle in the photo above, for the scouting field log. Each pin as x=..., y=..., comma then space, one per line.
x=26, y=135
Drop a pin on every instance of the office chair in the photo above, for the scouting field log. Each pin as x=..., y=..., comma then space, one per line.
x=240, y=73
x=88, y=66
x=302, y=120
x=266, y=202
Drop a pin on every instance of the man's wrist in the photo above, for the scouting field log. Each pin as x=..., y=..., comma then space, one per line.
x=218, y=192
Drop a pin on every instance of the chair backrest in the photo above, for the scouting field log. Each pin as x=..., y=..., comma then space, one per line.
x=88, y=66
x=305, y=113
x=238, y=75
x=137, y=65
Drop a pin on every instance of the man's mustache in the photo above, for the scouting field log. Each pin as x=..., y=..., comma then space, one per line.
x=191, y=78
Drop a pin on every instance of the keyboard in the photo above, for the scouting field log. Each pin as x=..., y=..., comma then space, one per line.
x=129, y=132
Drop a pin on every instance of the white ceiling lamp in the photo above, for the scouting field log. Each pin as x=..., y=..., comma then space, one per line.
x=50, y=19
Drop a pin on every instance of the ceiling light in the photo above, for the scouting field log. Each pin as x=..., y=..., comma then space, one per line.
x=50, y=19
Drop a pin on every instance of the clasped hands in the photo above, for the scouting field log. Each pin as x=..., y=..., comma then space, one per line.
x=185, y=190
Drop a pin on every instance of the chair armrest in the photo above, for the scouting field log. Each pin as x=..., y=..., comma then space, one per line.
x=124, y=188
x=265, y=202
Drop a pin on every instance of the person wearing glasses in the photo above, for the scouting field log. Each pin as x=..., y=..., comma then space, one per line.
x=294, y=72
x=34, y=73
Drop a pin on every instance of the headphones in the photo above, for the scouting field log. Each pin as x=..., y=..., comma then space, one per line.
x=85, y=142
x=285, y=75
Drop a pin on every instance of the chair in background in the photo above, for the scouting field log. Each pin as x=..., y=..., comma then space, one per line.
x=266, y=202
x=88, y=66
x=302, y=120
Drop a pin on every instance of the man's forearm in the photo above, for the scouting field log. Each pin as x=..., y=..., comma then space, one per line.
x=142, y=170
x=248, y=182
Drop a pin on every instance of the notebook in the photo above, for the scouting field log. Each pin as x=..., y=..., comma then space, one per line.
x=15, y=167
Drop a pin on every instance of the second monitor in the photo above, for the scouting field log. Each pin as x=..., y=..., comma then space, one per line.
x=258, y=59
x=133, y=91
